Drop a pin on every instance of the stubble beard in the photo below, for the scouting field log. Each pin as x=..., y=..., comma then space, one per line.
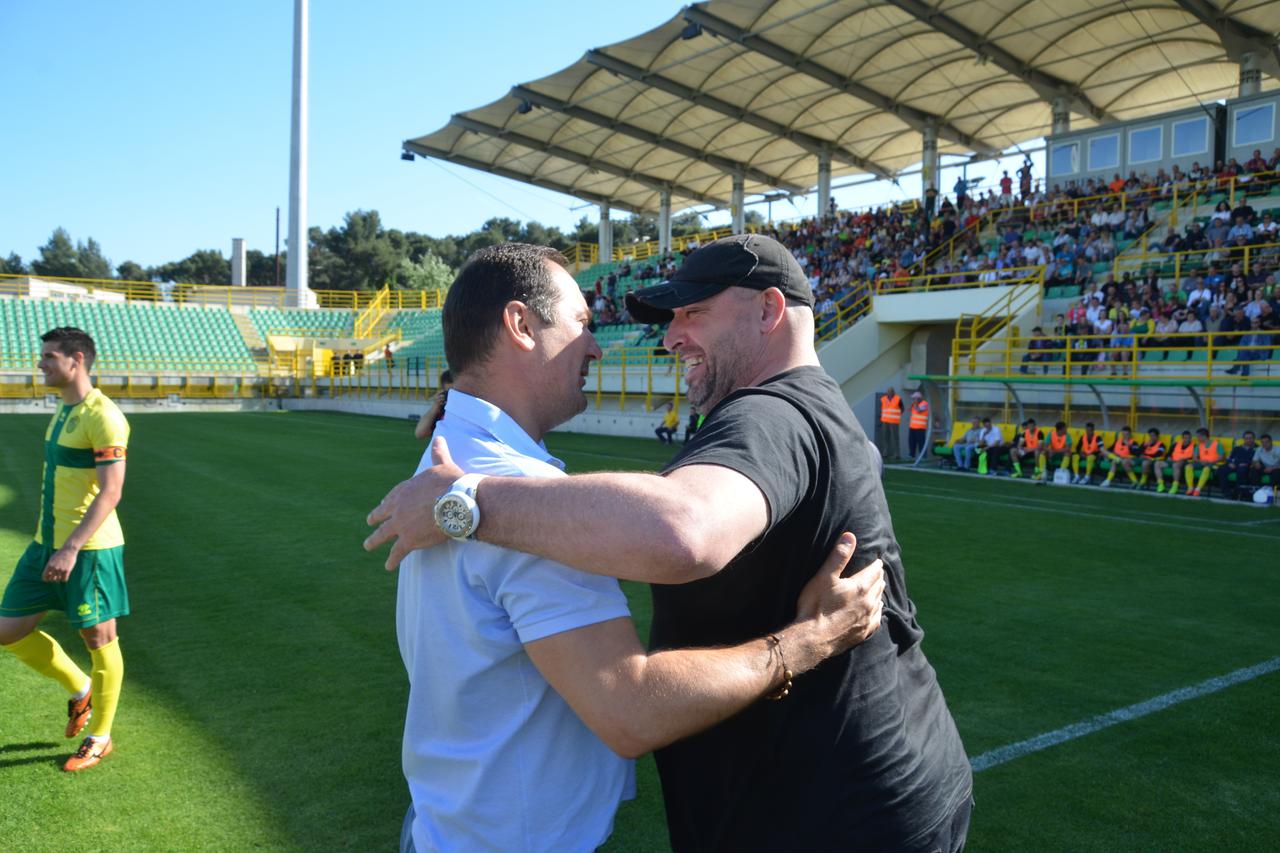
x=719, y=380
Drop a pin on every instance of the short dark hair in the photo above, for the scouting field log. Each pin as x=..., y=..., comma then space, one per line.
x=69, y=340
x=492, y=277
x=1089, y=425
x=446, y=377
x=1248, y=432
x=1060, y=425
x=1203, y=431
x=986, y=420
x=1266, y=435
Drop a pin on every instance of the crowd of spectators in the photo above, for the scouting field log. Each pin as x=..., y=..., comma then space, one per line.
x=1074, y=231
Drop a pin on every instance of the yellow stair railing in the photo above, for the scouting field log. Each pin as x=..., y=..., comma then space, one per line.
x=973, y=331
x=368, y=319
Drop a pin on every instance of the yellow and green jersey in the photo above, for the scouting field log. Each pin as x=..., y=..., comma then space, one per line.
x=93, y=432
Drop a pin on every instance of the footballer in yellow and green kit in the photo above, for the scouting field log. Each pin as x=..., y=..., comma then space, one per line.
x=79, y=439
x=76, y=562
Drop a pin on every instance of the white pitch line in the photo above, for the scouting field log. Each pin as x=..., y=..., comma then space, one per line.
x=1183, y=526
x=1004, y=754
x=1128, y=513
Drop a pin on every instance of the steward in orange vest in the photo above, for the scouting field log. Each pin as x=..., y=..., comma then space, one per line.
x=889, y=428
x=919, y=424
x=890, y=408
x=919, y=414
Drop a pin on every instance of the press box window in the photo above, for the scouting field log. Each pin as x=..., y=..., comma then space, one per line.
x=1145, y=145
x=1104, y=152
x=1065, y=160
x=1190, y=137
x=1253, y=125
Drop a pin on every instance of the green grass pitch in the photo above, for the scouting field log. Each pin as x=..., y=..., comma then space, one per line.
x=264, y=694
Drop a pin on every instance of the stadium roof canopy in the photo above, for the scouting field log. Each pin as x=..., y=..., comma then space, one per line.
x=765, y=88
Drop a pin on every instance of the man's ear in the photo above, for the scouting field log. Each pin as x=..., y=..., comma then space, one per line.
x=516, y=318
x=773, y=307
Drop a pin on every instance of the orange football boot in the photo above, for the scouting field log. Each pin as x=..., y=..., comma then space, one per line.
x=78, y=713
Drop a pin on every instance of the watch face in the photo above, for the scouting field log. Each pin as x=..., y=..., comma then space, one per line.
x=454, y=516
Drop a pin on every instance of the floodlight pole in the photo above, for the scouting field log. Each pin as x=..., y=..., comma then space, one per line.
x=297, y=291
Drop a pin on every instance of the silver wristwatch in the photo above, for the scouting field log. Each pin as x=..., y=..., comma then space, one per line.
x=456, y=511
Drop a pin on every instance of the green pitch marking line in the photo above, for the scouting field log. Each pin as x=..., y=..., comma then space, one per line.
x=1013, y=751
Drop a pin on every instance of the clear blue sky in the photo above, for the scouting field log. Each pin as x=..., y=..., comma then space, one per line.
x=159, y=128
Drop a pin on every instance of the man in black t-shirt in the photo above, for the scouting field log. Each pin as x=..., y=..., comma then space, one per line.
x=863, y=752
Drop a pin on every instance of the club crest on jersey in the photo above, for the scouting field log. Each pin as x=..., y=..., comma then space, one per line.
x=72, y=424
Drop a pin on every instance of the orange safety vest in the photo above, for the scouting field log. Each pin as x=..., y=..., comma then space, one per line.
x=1058, y=443
x=1122, y=448
x=1031, y=438
x=919, y=415
x=1206, y=455
x=1151, y=451
x=1182, y=452
x=890, y=409
x=1090, y=443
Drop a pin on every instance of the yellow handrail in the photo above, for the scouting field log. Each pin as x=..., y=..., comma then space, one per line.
x=1125, y=354
x=205, y=294
x=1200, y=258
x=369, y=318
x=957, y=280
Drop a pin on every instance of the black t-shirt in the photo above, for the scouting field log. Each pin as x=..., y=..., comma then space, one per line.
x=863, y=754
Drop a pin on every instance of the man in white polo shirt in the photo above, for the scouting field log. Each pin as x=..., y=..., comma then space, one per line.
x=529, y=689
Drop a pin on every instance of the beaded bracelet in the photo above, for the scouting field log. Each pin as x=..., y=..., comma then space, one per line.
x=783, y=691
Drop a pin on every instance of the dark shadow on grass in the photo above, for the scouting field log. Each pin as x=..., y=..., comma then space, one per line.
x=53, y=759
x=27, y=747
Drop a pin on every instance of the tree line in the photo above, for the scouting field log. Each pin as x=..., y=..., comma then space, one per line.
x=361, y=254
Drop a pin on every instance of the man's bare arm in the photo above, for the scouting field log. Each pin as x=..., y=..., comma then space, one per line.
x=111, y=489
x=637, y=702
x=661, y=529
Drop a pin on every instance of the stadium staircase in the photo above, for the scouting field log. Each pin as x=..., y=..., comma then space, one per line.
x=915, y=330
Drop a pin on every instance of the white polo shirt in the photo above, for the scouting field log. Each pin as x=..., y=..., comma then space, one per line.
x=495, y=758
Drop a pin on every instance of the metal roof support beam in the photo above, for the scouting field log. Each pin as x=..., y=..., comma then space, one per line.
x=737, y=208
x=604, y=234
x=1046, y=85
x=824, y=184
x=1237, y=39
x=664, y=222
x=808, y=142
x=462, y=160
x=724, y=164
x=915, y=118
x=486, y=129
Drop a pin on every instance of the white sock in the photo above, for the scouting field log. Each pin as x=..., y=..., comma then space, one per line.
x=100, y=739
x=85, y=691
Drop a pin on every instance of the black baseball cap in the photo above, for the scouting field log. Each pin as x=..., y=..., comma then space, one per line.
x=743, y=260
